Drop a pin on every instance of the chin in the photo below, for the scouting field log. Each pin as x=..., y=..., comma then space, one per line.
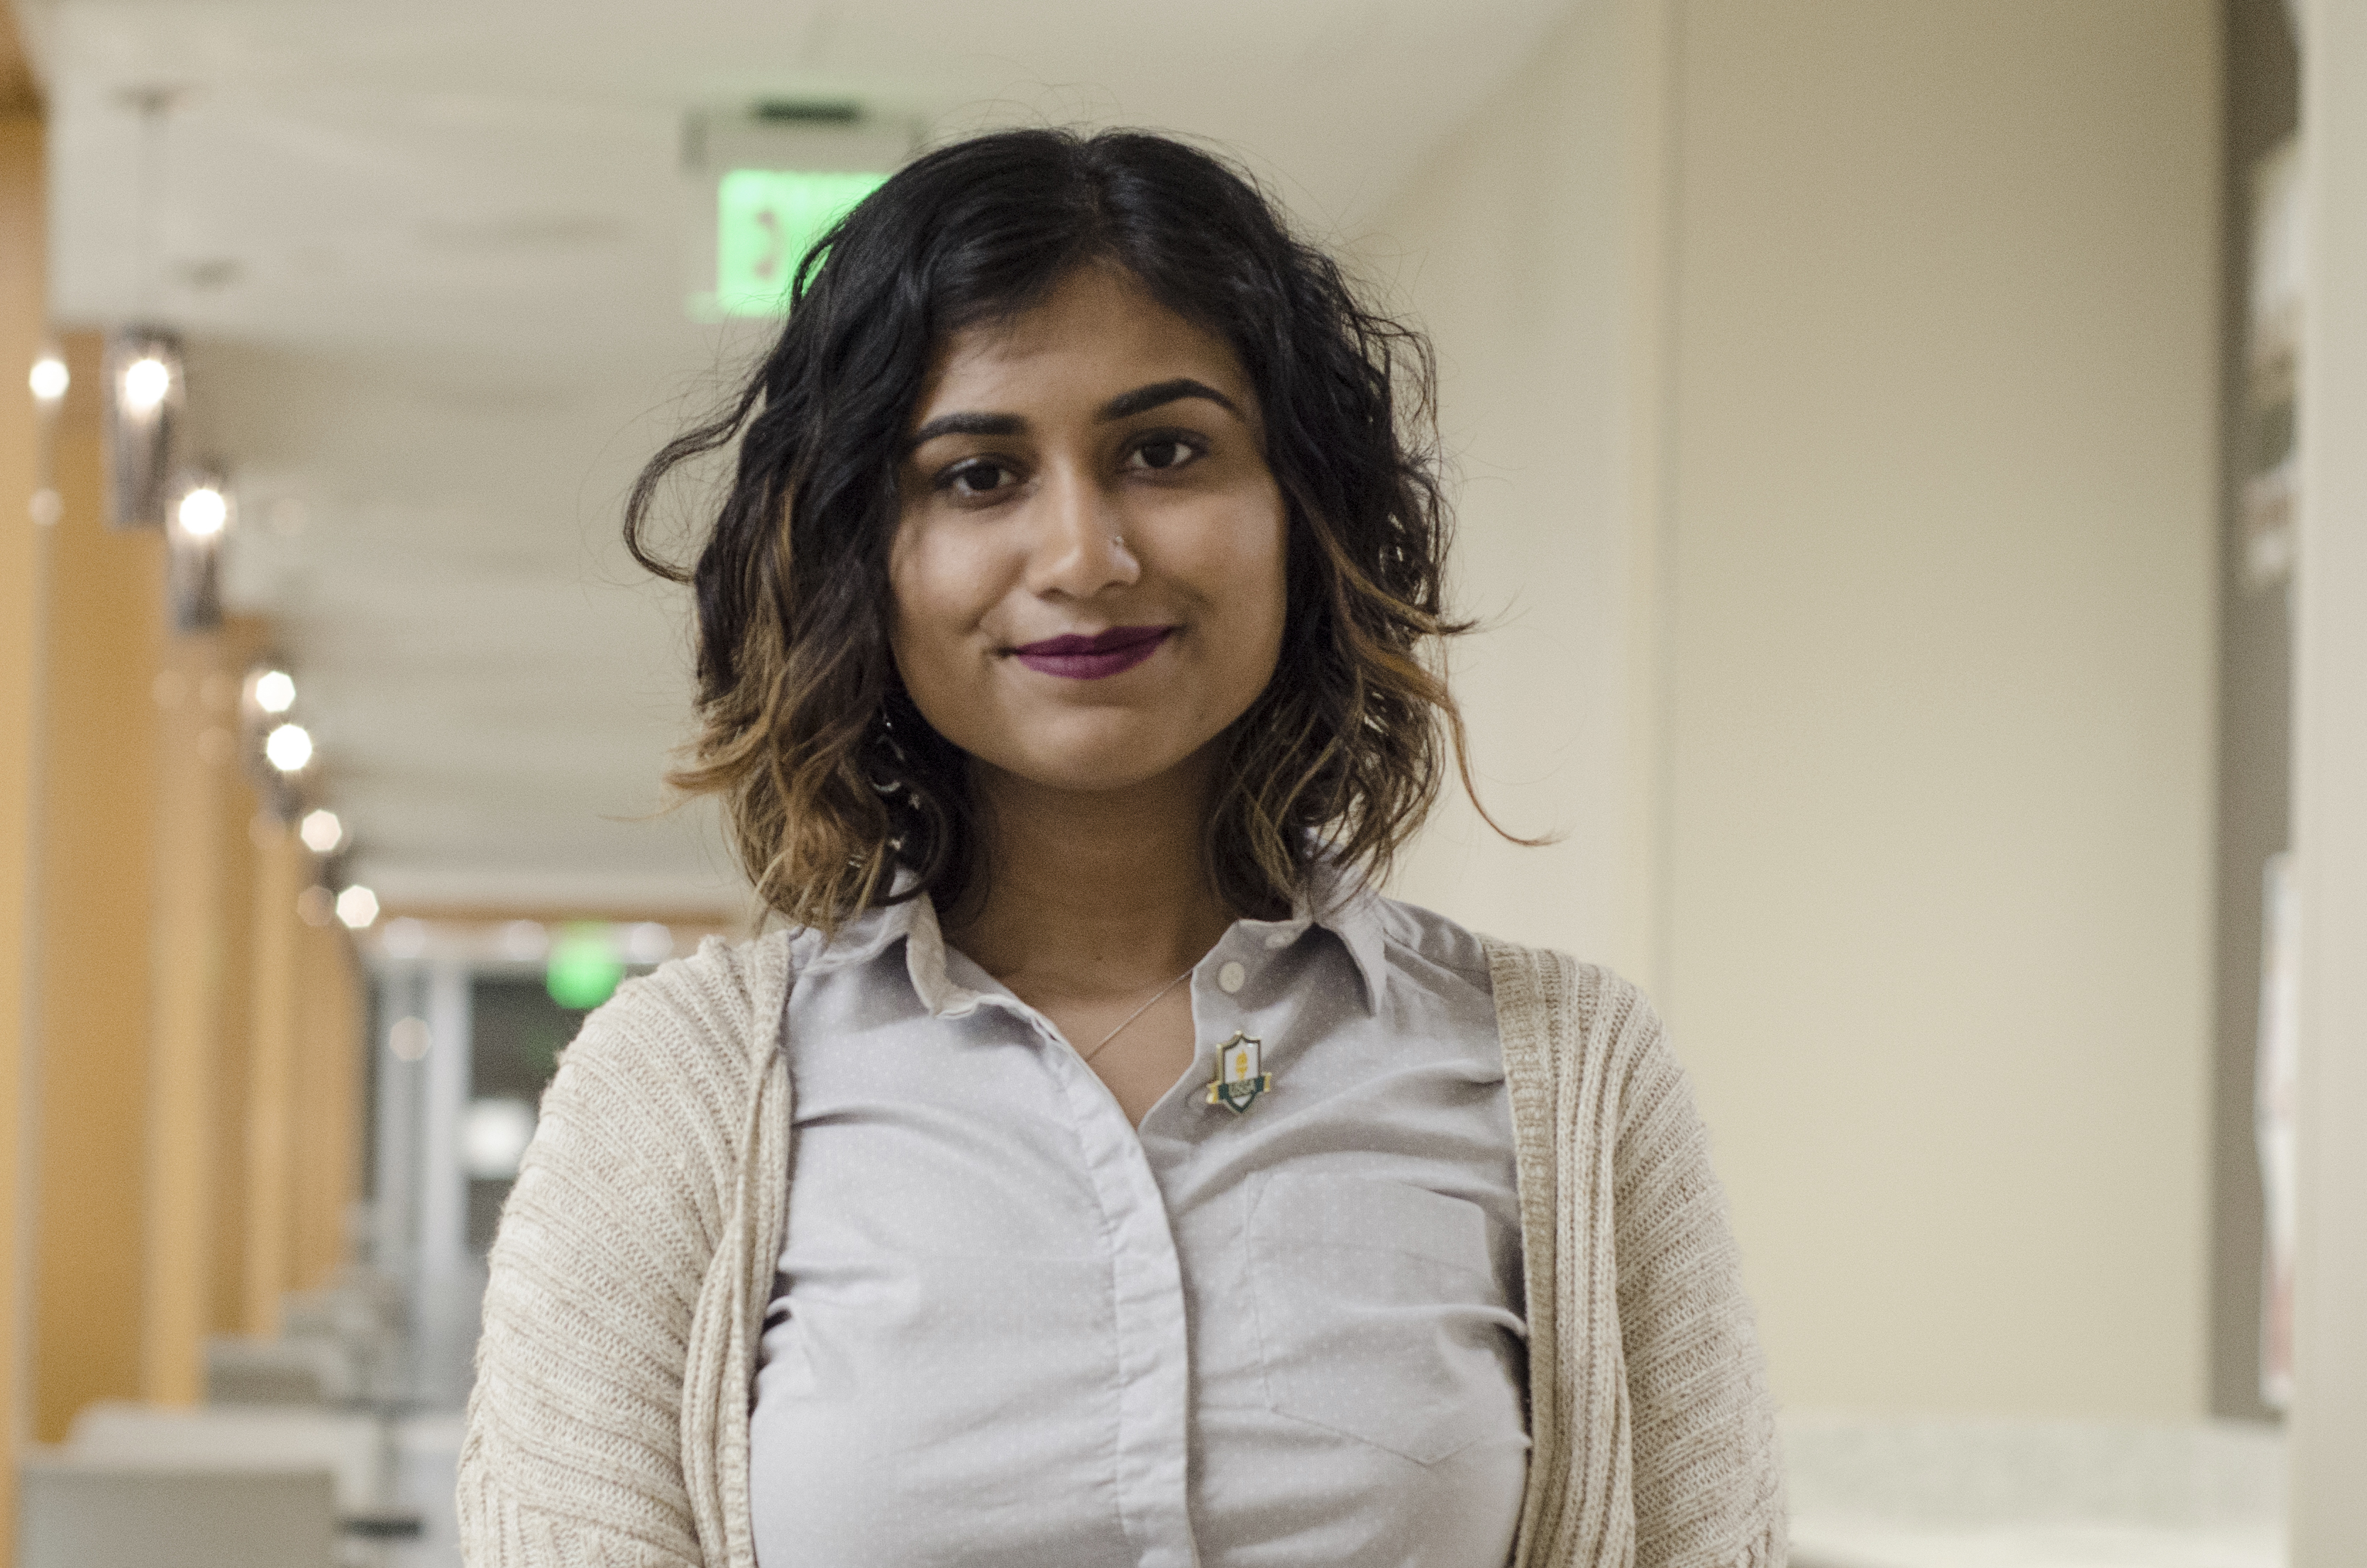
x=1099, y=773
x=1095, y=758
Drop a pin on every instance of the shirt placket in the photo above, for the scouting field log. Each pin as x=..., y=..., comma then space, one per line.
x=1150, y=1460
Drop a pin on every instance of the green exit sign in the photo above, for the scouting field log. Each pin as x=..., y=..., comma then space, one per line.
x=766, y=222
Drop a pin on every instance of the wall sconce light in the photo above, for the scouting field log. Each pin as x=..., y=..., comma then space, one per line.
x=145, y=386
x=272, y=691
x=321, y=831
x=203, y=511
x=200, y=518
x=356, y=906
x=49, y=381
x=289, y=748
x=275, y=749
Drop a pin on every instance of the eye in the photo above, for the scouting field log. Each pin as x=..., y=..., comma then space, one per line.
x=1165, y=451
x=979, y=477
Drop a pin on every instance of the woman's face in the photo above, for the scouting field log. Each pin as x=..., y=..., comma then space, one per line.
x=1088, y=570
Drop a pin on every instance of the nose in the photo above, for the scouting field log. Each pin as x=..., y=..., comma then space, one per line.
x=1080, y=548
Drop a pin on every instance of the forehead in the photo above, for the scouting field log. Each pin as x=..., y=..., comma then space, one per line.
x=1098, y=333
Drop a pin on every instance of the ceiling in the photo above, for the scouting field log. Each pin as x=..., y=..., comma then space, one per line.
x=432, y=261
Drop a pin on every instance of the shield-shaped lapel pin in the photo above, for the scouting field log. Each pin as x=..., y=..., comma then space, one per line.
x=1240, y=1074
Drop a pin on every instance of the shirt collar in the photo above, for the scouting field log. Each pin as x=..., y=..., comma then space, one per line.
x=1343, y=905
x=924, y=959
x=1336, y=900
x=914, y=922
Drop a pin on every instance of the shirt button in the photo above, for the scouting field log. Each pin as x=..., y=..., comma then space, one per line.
x=1277, y=940
x=1231, y=977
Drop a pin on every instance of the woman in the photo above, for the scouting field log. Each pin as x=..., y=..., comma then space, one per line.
x=1098, y=1171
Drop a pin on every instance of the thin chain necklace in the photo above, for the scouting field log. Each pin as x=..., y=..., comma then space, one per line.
x=1140, y=1011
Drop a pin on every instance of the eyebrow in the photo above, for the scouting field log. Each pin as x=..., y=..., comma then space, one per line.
x=1125, y=405
x=1142, y=399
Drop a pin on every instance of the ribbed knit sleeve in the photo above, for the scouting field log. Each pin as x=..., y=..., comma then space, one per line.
x=603, y=1275
x=1708, y=1469
x=1652, y=1428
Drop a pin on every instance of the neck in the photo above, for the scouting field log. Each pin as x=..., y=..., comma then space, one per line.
x=1091, y=894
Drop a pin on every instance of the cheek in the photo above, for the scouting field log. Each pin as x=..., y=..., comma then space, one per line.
x=919, y=622
x=1257, y=568
x=942, y=585
x=1238, y=572
x=1276, y=563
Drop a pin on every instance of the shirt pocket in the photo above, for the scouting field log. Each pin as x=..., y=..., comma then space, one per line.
x=1379, y=1313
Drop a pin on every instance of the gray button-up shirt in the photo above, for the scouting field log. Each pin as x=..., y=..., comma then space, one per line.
x=1010, y=1330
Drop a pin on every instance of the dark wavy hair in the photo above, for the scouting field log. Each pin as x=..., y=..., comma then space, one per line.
x=831, y=778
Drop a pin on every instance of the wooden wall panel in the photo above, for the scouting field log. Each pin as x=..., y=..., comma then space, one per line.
x=281, y=868
x=196, y=1111
x=98, y=843
x=22, y=548
x=331, y=1057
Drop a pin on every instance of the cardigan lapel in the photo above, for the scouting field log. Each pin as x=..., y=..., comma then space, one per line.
x=1578, y=1510
x=726, y=1325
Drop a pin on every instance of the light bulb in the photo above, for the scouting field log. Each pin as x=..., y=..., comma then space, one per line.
x=410, y=1039
x=49, y=379
x=275, y=690
x=525, y=941
x=145, y=381
x=494, y=1137
x=648, y=942
x=289, y=748
x=358, y=906
x=203, y=512
x=321, y=831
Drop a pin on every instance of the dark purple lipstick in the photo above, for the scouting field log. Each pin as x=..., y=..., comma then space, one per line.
x=1093, y=658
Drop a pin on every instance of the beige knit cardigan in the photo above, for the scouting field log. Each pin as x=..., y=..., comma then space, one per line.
x=609, y=1422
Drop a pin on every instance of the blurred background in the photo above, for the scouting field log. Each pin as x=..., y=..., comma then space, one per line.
x=1911, y=588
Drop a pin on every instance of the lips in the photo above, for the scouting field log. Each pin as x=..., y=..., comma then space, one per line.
x=1093, y=658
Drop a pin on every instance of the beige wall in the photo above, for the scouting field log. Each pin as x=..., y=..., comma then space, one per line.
x=2329, y=1416
x=1903, y=535
x=1529, y=248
